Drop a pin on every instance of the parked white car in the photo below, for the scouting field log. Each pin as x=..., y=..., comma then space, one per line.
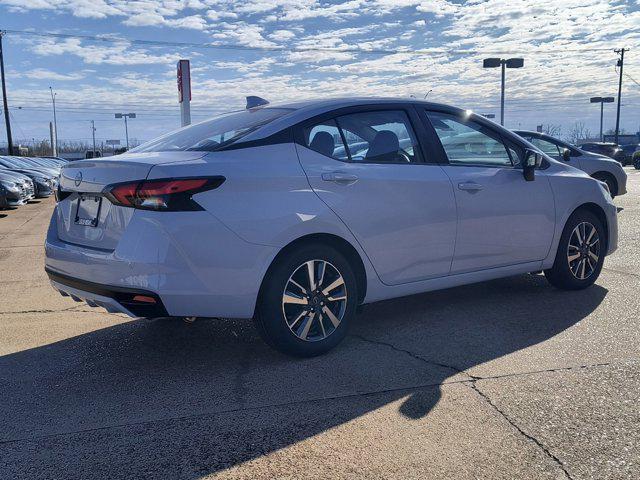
x=296, y=214
x=598, y=166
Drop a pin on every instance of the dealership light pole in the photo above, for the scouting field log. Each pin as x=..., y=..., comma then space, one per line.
x=55, y=120
x=621, y=65
x=126, y=128
x=5, y=101
x=601, y=101
x=504, y=63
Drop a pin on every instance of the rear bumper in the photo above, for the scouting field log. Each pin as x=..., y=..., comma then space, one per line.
x=130, y=301
x=190, y=261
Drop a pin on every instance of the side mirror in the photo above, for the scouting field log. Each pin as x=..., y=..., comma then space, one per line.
x=532, y=160
x=566, y=154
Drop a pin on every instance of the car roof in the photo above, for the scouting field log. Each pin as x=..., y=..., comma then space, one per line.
x=306, y=109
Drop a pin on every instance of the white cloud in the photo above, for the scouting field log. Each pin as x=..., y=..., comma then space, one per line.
x=44, y=74
x=282, y=35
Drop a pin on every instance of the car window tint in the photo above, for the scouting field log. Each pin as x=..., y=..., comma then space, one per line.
x=468, y=143
x=325, y=139
x=384, y=136
x=546, y=147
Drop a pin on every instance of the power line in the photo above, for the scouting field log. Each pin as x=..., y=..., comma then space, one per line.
x=278, y=48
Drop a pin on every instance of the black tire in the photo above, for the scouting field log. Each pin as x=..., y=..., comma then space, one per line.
x=270, y=312
x=561, y=275
x=610, y=181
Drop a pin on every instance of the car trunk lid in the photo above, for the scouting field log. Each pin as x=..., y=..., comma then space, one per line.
x=87, y=218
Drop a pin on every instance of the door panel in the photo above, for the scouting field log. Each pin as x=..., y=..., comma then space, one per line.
x=502, y=219
x=506, y=221
x=403, y=215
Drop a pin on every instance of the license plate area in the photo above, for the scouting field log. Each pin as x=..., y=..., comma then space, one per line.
x=88, y=210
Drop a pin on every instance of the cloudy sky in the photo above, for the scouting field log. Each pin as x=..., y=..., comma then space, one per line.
x=112, y=56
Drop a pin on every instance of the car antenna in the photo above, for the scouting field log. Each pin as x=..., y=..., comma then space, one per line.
x=254, y=102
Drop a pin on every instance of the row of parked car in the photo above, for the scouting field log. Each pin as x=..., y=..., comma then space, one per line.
x=25, y=178
x=625, y=154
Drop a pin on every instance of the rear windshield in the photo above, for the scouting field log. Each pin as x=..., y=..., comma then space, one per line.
x=213, y=134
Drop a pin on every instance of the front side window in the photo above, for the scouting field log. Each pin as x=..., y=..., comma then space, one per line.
x=383, y=136
x=466, y=142
x=213, y=134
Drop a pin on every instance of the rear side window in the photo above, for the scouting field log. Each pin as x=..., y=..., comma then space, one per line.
x=213, y=134
x=325, y=138
x=467, y=142
x=384, y=136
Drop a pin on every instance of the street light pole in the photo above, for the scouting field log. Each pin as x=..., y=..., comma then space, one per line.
x=126, y=127
x=502, y=93
x=503, y=63
x=93, y=134
x=621, y=65
x=5, y=101
x=55, y=120
x=601, y=101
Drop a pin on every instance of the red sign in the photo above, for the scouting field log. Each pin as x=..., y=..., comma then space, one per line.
x=184, y=79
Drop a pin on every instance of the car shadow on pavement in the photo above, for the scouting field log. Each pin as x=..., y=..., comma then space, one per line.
x=158, y=398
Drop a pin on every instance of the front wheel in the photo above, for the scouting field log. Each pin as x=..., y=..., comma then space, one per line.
x=307, y=302
x=580, y=253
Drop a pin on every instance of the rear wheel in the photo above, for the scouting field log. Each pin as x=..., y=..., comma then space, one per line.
x=580, y=253
x=307, y=302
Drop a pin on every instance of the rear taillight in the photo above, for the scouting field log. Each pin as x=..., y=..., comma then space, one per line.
x=168, y=194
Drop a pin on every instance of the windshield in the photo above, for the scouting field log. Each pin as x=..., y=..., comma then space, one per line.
x=213, y=134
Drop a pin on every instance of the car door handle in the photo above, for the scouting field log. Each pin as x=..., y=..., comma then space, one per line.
x=339, y=177
x=470, y=186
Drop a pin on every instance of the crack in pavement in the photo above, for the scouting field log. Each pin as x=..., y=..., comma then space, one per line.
x=415, y=355
x=473, y=384
x=620, y=272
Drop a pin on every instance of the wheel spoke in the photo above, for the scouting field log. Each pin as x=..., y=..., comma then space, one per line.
x=584, y=265
x=302, y=289
x=335, y=284
x=331, y=316
x=294, y=299
x=320, y=318
x=336, y=299
x=579, y=235
x=298, y=318
x=591, y=233
x=573, y=257
x=594, y=256
x=307, y=326
x=321, y=269
x=311, y=273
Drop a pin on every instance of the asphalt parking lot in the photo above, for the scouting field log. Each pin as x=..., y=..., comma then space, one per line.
x=505, y=379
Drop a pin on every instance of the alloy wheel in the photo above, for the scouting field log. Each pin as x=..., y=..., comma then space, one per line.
x=583, y=250
x=314, y=300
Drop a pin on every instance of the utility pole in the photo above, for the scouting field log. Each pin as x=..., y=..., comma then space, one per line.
x=55, y=120
x=93, y=133
x=4, y=100
x=621, y=65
